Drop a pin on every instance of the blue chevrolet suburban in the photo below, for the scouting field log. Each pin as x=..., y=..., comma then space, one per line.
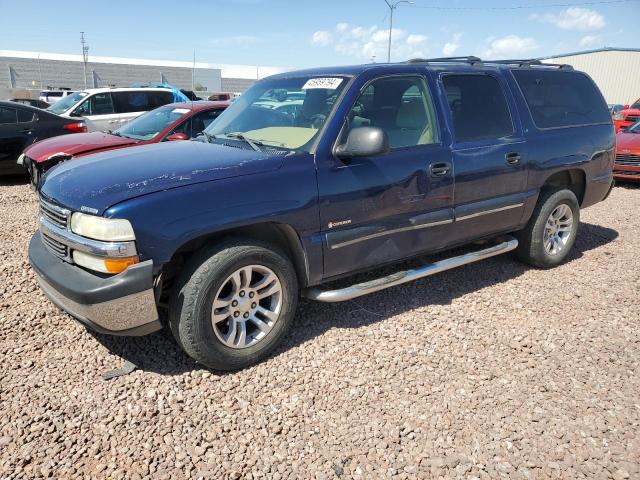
x=218, y=238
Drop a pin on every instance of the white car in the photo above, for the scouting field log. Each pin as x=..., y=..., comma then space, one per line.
x=110, y=108
x=52, y=96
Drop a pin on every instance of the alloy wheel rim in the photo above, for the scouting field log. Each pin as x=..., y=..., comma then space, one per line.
x=558, y=229
x=246, y=306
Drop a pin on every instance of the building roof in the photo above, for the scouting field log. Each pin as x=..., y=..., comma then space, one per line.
x=586, y=52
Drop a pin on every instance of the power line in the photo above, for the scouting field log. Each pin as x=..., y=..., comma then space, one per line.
x=523, y=7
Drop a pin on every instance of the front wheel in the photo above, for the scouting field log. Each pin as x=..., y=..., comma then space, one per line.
x=551, y=232
x=233, y=304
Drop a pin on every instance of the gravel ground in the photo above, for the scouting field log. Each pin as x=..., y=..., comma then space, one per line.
x=492, y=370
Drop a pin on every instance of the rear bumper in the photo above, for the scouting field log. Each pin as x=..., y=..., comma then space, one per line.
x=122, y=304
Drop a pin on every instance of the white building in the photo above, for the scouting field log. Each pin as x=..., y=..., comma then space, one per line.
x=19, y=69
x=615, y=70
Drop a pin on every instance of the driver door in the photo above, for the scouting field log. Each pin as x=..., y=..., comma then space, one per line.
x=98, y=110
x=386, y=207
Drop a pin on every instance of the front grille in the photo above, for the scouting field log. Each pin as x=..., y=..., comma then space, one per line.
x=627, y=159
x=57, y=248
x=57, y=215
x=632, y=118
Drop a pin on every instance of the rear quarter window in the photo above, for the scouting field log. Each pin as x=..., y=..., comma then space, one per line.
x=559, y=99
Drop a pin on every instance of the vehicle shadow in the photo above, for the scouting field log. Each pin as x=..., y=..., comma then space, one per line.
x=12, y=180
x=159, y=353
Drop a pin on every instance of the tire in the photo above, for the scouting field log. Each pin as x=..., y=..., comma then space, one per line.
x=533, y=247
x=220, y=273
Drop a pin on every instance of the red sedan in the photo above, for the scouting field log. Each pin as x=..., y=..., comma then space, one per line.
x=176, y=121
x=627, y=116
x=627, y=166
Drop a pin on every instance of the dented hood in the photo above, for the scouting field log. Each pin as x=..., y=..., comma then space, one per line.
x=102, y=180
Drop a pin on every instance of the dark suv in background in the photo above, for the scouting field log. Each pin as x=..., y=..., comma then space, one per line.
x=380, y=163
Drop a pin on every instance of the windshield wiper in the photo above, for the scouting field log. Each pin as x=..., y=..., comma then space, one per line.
x=114, y=133
x=208, y=136
x=239, y=136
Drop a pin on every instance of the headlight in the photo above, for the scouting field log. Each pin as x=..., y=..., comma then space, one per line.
x=100, y=228
x=101, y=264
x=618, y=116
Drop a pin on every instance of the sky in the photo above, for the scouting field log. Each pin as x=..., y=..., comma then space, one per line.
x=303, y=33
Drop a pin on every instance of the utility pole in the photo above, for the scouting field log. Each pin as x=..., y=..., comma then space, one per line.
x=193, y=72
x=85, y=57
x=392, y=6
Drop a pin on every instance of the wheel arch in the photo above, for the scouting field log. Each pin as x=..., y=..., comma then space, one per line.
x=573, y=179
x=280, y=235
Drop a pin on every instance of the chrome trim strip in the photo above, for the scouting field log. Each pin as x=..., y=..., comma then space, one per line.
x=487, y=212
x=87, y=245
x=399, y=278
x=116, y=315
x=390, y=232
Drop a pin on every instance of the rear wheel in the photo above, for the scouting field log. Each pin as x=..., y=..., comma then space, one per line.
x=233, y=304
x=550, y=234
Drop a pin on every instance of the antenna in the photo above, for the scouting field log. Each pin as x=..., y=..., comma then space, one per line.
x=85, y=56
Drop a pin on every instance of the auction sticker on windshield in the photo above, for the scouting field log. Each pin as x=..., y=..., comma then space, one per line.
x=180, y=110
x=325, y=82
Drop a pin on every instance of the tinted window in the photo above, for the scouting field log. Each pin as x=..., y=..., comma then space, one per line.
x=401, y=106
x=126, y=102
x=157, y=99
x=98, y=104
x=25, y=116
x=478, y=107
x=7, y=115
x=561, y=98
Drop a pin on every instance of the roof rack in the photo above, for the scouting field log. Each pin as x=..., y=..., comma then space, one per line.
x=472, y=60
x=469, y=59
x=531, y=62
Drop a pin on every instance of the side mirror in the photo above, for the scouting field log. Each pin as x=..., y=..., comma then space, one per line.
x=75, y=114
x=625, y=107
x=177, y=136
x=363, y=142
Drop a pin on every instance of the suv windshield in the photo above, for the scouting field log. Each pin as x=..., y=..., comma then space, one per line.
x=65, y=103
x=284, y=113
x=150, y=124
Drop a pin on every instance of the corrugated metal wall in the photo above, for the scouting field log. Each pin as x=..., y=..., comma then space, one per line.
x=617, y=73
x=27, y=72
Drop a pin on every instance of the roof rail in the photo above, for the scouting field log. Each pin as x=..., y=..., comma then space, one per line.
x=531, y=62
x=469, y=59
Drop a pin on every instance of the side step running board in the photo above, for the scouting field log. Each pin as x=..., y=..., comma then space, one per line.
x=399, y=278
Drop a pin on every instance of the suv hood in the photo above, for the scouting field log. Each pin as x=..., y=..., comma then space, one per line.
x=99, y=181
x=75, y=144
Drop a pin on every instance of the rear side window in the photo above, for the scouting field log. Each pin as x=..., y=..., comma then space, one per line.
x=561, y=98
x=157, y=99
x=126, y=102
x=7, y=115
x=478, y=107
x=25, y=116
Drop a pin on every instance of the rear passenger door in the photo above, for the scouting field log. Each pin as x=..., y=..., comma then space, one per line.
x=131, y=104
x=489, y=152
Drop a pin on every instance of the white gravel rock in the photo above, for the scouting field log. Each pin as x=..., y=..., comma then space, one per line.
x=492, y=370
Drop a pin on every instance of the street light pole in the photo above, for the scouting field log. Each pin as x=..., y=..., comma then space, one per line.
x=392, y=6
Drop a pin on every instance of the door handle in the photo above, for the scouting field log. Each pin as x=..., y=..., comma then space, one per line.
x=113, y=121
x=439, y=169
x=512, y=158
x=27, y=130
